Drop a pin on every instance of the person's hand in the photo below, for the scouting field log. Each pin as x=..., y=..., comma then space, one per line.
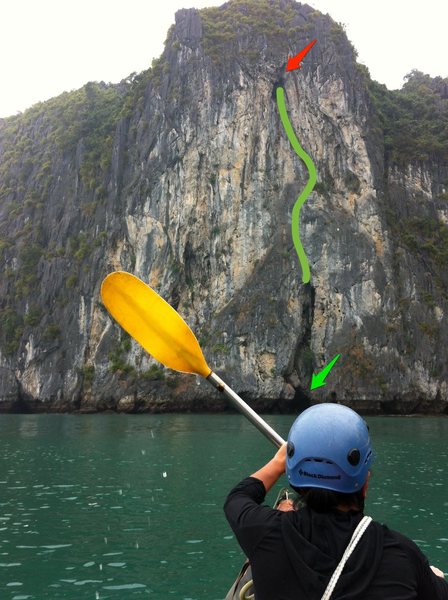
x=280, y=458
x=438, y=572
x=274, y=469
x=286, y=505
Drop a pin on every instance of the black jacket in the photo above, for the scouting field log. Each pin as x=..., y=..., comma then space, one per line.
x=293, y=554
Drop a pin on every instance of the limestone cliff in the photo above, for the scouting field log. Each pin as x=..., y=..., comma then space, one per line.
x=184, y=176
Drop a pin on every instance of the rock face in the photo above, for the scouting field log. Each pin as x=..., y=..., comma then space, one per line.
x=184, y=176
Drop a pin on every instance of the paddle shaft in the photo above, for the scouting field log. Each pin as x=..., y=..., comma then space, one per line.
x=246, y=410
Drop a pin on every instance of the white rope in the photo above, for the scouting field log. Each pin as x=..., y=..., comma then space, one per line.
x=357, y=535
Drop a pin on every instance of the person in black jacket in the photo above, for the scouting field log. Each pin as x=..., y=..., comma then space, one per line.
x=297, y=554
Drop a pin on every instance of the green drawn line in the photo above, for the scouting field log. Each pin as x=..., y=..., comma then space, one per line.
x=295, y=225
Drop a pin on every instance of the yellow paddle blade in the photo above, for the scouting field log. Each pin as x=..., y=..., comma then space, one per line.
x=153, y=323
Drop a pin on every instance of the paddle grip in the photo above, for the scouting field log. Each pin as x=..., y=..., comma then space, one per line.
x=247, y=411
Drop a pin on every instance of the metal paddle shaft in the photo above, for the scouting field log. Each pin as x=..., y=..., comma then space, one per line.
x=247, y=411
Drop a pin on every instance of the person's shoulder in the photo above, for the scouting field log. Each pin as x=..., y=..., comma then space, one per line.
x=395, y=538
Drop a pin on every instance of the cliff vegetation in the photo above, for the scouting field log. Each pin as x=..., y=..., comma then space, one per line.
x=183, y=175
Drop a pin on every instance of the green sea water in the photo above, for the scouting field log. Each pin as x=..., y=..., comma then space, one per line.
x=129, y=506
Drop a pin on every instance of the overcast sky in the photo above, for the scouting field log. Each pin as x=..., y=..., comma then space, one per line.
x=50, y=46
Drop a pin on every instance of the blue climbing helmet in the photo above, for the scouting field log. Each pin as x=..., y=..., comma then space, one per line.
x=329, y=447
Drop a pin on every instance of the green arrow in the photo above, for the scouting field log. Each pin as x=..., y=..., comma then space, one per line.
x=319, y=379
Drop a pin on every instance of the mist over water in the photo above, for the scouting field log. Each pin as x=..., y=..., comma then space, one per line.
x=124, y=506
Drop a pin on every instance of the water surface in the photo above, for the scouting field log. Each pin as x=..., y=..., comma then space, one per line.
x=127, y=506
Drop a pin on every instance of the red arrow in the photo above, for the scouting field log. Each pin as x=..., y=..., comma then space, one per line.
x=294, y=62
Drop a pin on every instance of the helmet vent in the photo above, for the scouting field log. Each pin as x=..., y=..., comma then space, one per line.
x=319, y=460
x=368, y=457
x=354, y=456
